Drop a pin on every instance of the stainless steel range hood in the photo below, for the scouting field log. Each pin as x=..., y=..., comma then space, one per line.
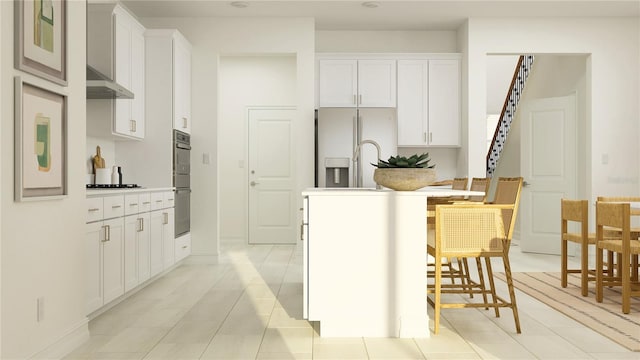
x=99, y=86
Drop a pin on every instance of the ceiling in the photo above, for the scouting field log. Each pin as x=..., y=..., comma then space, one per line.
x=389, y=15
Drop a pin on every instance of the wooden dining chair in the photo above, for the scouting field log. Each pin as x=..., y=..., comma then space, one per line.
x=476, y=231
x=576, y=212
x=634, y=233
x=618, y=216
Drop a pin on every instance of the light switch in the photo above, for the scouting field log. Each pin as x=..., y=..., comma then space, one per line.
x=205, y=158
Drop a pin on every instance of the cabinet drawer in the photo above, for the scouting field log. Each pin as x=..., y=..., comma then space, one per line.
x=168, y=199
x=183, y=247
x=113, y=206
x=131, y=204
x=157, y=200
x=144, y=202
x=94, y=209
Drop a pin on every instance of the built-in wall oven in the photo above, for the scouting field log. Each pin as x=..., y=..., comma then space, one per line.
x=182, y=181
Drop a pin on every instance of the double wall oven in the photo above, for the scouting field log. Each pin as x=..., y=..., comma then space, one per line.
x=182, y=181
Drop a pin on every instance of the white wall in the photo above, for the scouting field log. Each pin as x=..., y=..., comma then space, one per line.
x=245, y=81
x=214, y=37
x=612, y=109
x=500, y=69
x=386, y=41
x=43, y=252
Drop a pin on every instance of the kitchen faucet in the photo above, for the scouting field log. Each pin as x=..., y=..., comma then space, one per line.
x=357, y=174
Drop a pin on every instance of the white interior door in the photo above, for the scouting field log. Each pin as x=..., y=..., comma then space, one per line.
x=548, y=166
x=271, y=176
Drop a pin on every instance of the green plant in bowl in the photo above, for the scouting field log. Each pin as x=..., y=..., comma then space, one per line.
x=413, y=161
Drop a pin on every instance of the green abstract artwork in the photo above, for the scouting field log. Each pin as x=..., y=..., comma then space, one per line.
x=43, y=24
x=43, y=142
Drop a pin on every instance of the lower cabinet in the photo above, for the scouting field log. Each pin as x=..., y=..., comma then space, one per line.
x=105, y=262
x=136, y=250
x=156, y=261
x=129, y=239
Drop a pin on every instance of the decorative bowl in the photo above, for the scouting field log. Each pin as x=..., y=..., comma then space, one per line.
x=404, y=179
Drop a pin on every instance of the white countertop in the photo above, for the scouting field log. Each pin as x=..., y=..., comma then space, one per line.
x=426, y=191
x=119, y=191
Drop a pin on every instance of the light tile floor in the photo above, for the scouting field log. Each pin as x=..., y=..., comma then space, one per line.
x=247, y=304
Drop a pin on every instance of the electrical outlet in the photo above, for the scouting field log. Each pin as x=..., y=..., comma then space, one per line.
x=40, y=308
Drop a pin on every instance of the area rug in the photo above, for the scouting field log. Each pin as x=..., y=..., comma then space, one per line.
x=605, y=318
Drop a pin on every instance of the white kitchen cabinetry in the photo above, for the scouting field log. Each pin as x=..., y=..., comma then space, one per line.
x=169, y=77
x=429, y=102
x=104, y=244
x=136, y=239
x=129, y=113
x=357, y=83
x=129, y=238
x=116, y=48
x=162, y=254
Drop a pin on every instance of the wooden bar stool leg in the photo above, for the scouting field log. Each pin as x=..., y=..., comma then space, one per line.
x=482, y=283
x=584, y=268
x=466, y=277
x=512, y=292
x=492, y=286
x=563, y=266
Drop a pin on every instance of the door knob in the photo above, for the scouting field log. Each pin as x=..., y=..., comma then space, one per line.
x=253, y=183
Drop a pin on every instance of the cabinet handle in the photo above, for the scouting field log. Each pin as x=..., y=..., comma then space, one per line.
x=116, y=206
x=107, y=233
x=301, y=232
x=425, y=136
x=430, y=137
x=146, y=202
x=94, y=209
x=158, y=201
x=165, y=219
x=140, y=224
x=133, y=204
x=184, y=247
x=355, y=102
x=184, y=122
x=360, y=99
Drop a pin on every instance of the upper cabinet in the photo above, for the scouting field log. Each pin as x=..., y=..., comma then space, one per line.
x=169, y=76
x=429, y=102
x=116, y=49
x=357, y=83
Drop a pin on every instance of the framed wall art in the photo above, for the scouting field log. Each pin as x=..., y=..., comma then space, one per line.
x=40, y=153
x=40, y=38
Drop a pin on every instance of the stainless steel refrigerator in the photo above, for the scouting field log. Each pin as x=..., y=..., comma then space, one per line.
x=338, y=133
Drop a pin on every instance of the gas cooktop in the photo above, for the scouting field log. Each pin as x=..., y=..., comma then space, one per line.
x=112, y=186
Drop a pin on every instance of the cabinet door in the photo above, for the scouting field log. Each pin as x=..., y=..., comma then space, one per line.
x=338, y=83
x=144, y=243
x=444, y=103
x=122, y=123
x=137, y=83
x=112, y=259
x=412, y=102
x=94, y=235
x=182, y=84
x=131, y=228
x=376, y=83
x=155, y=245
x=168, y=237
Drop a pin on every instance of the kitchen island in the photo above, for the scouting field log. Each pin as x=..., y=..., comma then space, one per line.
x=365, y=254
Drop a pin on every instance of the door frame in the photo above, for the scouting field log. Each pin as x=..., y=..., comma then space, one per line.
x=294, y=145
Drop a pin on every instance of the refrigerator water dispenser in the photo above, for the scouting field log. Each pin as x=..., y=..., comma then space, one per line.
x=336, y=172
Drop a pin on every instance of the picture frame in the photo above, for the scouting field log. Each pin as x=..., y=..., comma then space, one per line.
x=41, y=38
x=40, y=138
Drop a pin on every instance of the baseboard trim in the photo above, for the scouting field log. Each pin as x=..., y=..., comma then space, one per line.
x=69, y=341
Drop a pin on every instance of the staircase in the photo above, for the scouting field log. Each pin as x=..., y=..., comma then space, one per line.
x=522, y=71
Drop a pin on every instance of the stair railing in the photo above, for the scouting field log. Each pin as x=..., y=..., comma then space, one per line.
x=522, y=71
